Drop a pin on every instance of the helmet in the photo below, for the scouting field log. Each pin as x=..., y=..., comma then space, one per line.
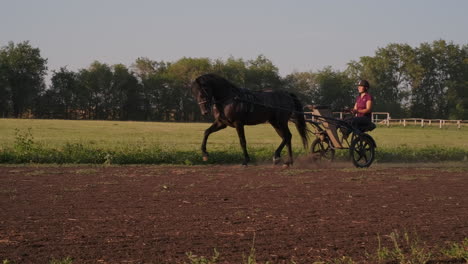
x=364, y=83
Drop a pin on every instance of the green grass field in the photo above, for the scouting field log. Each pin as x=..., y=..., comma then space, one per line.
x=43, y=141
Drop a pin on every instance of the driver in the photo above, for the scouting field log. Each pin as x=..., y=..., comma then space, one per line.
x=362, y=110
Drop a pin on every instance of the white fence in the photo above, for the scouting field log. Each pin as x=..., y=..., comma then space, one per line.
x=424, y=122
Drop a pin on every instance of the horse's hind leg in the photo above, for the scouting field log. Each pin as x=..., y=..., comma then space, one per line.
x=243, y=143
x=285, y=134
x=277, y=156
x=288, y=145
x=216, y=126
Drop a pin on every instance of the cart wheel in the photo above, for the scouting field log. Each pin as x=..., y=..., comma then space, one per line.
x=322, y=150
x=362, y=151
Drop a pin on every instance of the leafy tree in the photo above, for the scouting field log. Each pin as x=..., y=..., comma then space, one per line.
x=97, y=83
x=439, y=81
x=163, y=97
x=452, y=73
x=262, y=74
x=458, y=90
x=62, y=95
x=181, y=74
x=125, y=94
x=149, y=74
x=143, y=67
x=23, y=70
x=333, y=88
x=304, y=85
x=187, y=69
x=5, y=91
x=235, y=70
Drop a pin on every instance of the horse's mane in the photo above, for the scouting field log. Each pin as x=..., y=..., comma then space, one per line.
x=216, y=81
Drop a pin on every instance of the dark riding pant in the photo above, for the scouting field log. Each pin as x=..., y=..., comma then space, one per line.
x=361, y=122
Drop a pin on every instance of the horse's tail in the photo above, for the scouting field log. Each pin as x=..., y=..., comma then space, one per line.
x=299, y=120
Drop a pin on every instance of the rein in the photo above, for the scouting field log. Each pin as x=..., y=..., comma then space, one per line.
x=204, y=102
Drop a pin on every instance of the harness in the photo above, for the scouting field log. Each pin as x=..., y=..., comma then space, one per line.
x=246, y=98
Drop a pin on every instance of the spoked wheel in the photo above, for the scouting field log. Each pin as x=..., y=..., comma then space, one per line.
x=322, y=150
x=362, y=151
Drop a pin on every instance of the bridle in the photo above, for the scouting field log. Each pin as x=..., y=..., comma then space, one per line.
x=206, y=102
x=209, y=100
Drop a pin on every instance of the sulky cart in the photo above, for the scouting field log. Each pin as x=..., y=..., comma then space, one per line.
x=332, y=134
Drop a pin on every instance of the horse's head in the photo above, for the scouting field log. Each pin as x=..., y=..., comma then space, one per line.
x=203, y=93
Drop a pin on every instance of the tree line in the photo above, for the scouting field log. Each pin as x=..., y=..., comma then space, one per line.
x=428, y=81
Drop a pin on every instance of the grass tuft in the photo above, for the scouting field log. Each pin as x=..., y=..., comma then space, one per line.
x=457, y=251
x=194, y=259
x=406, y=250
x=251, y=258
x=66, y=260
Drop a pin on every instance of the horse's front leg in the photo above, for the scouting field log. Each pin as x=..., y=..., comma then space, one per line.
x=243, y=143
x=216, y=126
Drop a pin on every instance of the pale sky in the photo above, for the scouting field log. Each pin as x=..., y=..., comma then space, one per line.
x=297, y=35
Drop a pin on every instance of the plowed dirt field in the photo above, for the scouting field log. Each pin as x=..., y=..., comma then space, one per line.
x=157, y=214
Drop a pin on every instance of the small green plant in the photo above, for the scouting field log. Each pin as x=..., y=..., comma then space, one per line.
x=405, y=250
x=108, y=159
x=24, y=141
x=6, y=261
x=382, y=252
x=458, y=251
x=66, y=260
x=343, y=260
x=251, y=258
x=194, y=259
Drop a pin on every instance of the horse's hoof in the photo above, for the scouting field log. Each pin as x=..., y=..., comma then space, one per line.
x=205, y=158
x=276, y=160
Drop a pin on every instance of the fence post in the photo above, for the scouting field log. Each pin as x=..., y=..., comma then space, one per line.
x=404, y=122
x=430, y=122
x=422, y=122
x=458, y=124
x=440, y=123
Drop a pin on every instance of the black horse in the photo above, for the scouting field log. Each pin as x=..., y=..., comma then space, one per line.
x=235, y=107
